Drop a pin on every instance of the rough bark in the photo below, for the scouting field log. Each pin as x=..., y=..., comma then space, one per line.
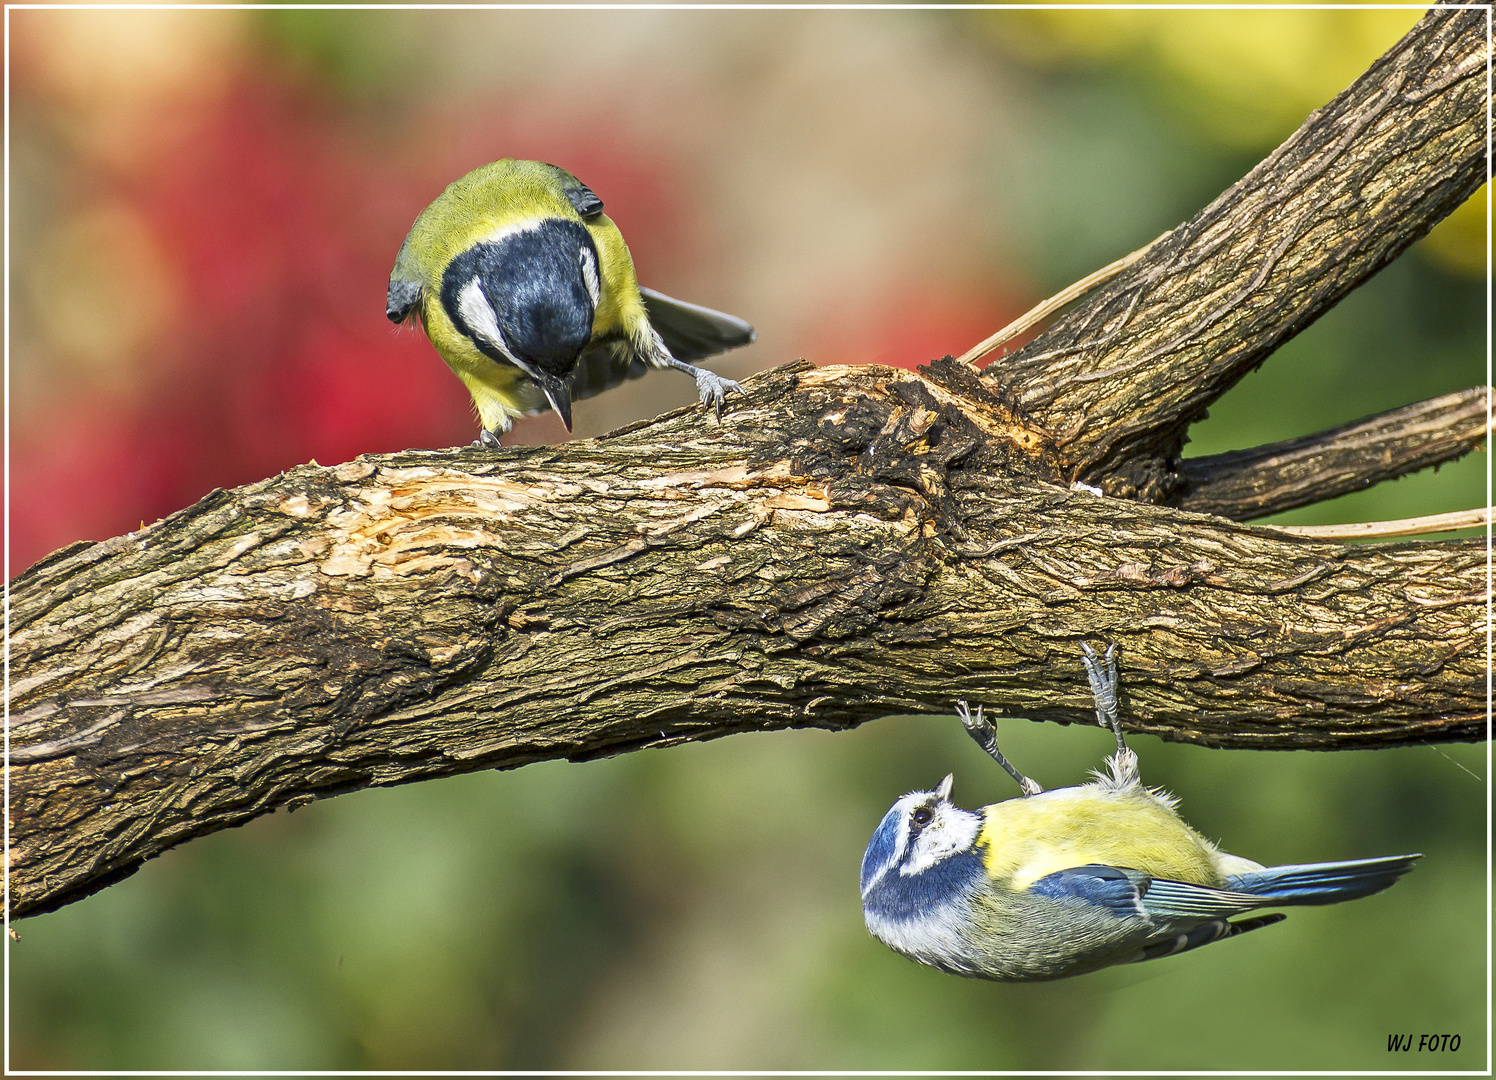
x=1247, y=484
x=845, y=544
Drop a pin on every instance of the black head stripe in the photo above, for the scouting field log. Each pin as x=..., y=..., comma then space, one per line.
x=534, y=282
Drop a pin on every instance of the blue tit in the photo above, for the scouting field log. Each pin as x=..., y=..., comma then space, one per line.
x=1058, y=883
x=528, y=292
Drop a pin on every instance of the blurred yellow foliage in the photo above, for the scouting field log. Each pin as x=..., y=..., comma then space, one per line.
x=1458, y=243
x=112, y=73
x=1249, y=76
x=1243, y=78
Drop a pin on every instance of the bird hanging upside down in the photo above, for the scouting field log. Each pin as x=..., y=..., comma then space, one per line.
x=1063, y=882
x=528, y=292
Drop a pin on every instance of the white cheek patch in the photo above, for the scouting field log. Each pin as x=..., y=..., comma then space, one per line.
x=483, y=321
x=589, y=274
x=478, y=313
x=952, y=830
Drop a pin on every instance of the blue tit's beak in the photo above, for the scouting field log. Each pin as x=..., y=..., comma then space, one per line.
x=943, y=789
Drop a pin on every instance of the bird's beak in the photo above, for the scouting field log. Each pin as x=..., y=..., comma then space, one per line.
x=558, y=393
x=943, y=789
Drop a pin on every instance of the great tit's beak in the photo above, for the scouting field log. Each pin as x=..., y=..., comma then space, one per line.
x=558, y=393
x=943, y=789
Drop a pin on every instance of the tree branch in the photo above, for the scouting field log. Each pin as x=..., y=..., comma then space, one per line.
x=1246, y=484
x=845, y=544
x=1363, y=178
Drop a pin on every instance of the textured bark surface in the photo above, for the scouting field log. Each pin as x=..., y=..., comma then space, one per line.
x=1247, y=484
x=847, y=543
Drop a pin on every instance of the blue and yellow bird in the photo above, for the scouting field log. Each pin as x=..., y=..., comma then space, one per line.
x=1057, y=883
x=528, y=292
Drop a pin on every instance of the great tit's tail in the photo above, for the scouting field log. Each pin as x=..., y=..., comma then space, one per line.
x=1323, y=883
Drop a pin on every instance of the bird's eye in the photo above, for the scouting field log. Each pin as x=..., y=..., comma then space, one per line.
x=921, y=816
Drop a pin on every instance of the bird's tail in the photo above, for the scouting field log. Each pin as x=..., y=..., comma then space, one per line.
x=1323, y=883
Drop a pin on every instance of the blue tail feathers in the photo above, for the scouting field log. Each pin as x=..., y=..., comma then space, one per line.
x=1323, y=883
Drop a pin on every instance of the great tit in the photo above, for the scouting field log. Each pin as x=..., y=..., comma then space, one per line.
x=528, y=292
x=1058, y=883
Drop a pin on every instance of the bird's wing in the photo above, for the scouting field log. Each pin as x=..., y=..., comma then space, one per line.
x=1109, y=887
x=1180, y=900
x=401, y=299
x=583, y=200
x=1132, y=892
x=691, y=332
x=1171, y=944
x=604, y=364
x=405, y=286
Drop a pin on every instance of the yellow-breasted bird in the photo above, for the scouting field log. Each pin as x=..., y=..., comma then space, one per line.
x=1059, y=883
x=528, y=292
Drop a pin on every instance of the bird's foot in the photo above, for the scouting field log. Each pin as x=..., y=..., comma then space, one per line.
x=1101, y=672
x=713, y=389
x=487, y=440
x=984, y=731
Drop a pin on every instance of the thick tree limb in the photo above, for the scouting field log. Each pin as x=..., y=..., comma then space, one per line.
x=1246, y=484
x=850, y=543
x=1363, y=178
x=847, y=543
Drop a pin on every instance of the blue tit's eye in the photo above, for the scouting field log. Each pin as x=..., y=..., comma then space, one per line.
x=921, y=816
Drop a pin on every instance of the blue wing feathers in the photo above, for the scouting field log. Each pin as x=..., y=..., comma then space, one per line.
x=1132, y=892
x=1106, y=886
x=1322, y=883
x=1176, y=899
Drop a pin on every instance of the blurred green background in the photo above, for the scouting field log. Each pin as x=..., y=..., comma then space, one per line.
x=205, y=206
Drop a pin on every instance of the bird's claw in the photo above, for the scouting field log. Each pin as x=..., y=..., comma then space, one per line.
x=1101, y=673
x=713, y=389
x=975, y=723
x=486, y=440
x=984, y=731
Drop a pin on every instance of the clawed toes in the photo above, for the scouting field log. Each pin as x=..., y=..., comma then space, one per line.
x=713, y=391
x=973, y=722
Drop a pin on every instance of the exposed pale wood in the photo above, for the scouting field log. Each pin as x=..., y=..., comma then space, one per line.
x=1416, y=526
x=848, y=543
x=1043, y=310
